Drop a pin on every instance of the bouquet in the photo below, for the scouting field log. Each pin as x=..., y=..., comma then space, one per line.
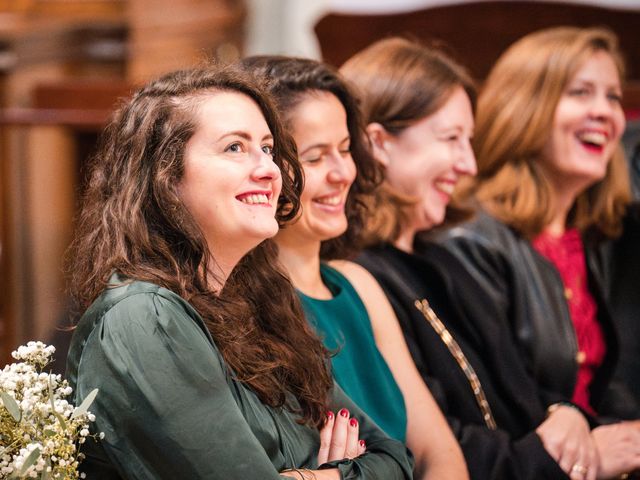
x=39, y=429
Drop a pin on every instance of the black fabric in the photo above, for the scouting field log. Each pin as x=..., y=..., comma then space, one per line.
x=529, y=295
x=514, y=451
x=622, y=281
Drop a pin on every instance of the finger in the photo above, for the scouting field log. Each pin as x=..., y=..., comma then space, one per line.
x=353, y=432
x=568, y=458
x=362, y=447
x=325, y=438
x=593, y=462
x=339, y=436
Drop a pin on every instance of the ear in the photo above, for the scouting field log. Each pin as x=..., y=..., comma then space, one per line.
x=380, y=141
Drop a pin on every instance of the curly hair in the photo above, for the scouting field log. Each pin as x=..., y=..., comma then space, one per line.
x=133, y=222
x=291, y=80
x=401, y=82
x=515, y=115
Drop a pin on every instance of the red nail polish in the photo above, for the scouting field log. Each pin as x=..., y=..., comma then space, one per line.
x=344, y=413
x=329, y=415
x=353, y=422
x=362, y=444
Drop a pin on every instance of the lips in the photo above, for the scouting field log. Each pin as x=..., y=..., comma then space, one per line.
x=330, y=200
x=594, y=140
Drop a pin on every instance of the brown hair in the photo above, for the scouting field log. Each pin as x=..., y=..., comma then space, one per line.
x=291, y=80
x=133, y=222
x=400, y=82
x=516, y=109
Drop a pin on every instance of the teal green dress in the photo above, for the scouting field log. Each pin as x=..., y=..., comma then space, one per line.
x=358, y=367
x=170, y=408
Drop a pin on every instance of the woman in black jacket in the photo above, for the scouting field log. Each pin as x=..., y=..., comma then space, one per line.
x=418, y=106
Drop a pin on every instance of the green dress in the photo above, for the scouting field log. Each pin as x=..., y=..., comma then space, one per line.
x=170, y=409
x=358, y=366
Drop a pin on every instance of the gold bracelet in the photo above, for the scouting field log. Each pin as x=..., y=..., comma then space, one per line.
x=555, y=406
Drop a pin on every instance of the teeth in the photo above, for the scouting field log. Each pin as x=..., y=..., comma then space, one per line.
x=596, y=138
x=255, y=198
x=329, y=200
x=446, y=187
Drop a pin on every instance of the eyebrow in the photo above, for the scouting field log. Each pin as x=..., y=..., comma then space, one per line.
x=245, y=135
x=324, y=145
x=591, y=83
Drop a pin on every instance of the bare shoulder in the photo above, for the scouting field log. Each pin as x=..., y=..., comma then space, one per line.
x=358, y=276
x=369, y=291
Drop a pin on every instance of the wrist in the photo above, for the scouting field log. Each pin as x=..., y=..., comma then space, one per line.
x=555, y=406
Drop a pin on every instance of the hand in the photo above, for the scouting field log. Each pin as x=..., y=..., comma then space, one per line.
x=566, y=437
x=339, y=438
x=618, y=446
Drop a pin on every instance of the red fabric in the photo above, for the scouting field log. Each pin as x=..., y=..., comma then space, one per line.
x=567, y=254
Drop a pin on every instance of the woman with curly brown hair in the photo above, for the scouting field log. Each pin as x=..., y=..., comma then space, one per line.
x=205, y=366
x=340, y=174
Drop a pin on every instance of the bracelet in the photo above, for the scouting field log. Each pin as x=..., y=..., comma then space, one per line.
x=555, y=406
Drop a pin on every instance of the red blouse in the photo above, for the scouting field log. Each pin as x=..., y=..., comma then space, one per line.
x=567, y=255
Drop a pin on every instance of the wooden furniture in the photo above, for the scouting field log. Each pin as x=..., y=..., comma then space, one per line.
x=63, y=65
x=478, y=32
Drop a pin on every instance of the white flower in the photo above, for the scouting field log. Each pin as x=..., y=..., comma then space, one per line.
x=45, y=423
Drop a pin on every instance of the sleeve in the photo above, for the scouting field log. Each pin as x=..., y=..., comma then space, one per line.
x=165, y=405
x=493, y=454
x=385, y=458
x=493, y=272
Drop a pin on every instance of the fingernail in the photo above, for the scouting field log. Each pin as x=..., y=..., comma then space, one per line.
x=353, y=422
x=344, y=413
x=329, y=415
x=362, y=444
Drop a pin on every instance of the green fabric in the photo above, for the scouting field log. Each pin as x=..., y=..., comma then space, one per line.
x=358, y=367
x=169, y=408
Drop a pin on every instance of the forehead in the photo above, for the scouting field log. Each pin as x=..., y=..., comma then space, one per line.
x=319, y=112
x=228, y=110
x=456, y=111
x=599, y=65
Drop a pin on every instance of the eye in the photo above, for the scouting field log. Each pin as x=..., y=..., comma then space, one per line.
x=311, y=161
x=615, y=97
x=268, y=149
x=579, y=92
x=235, y=147
x=345, y=151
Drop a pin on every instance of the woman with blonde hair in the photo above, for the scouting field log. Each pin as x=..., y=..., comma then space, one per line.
x=551, y=184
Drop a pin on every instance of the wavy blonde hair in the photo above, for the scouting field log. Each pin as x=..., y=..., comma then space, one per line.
x=515, y=116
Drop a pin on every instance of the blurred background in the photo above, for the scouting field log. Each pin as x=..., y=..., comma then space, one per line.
x=64, y=64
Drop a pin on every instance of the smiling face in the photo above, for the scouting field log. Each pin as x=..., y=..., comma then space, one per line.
x=230, y=183
x=427, y=159
x=319, y=128
x=587, y=126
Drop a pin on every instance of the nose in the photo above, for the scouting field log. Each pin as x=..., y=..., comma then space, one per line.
x=266, y=168
x=602, y=106
x=466, y=162
x=341, y=168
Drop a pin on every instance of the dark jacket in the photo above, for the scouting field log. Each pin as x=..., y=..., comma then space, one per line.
x=621, y=270
x=513, y=451
x=529, y=295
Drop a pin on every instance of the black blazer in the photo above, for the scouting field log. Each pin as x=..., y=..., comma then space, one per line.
x=513, y=451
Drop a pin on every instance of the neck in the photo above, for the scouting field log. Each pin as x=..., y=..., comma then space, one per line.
x=302, y=261
x=563, y=200
x=222, y=265
x=405, y=240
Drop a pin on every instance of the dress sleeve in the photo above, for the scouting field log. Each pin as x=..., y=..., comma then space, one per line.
x=165, y=406
x=384, y=458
